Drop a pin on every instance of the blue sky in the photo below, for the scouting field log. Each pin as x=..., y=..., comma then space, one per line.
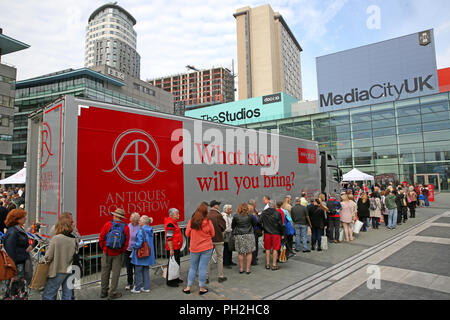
x=173, y=33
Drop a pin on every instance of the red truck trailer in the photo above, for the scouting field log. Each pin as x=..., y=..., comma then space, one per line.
x=89, y=158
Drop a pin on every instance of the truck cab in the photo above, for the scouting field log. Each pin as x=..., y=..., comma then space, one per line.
x=331, y=174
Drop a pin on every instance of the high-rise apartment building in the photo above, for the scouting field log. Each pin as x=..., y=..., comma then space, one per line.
x=198, y=88
x=268, y=54
x=111, y=40
x=7, y=93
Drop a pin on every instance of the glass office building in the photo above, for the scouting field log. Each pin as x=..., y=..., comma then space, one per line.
x=405, y=140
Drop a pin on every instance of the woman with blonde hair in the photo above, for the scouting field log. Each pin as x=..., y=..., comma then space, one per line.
x=243, y=228
x=348, y=215
x=60, y=256
x=142, y=265
x=287, y=204
x=134, y=228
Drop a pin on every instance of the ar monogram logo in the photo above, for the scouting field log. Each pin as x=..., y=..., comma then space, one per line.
x=134, y=164
x=46, y=144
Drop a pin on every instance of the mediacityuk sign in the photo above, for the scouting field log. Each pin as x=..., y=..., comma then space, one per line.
x=390, y=70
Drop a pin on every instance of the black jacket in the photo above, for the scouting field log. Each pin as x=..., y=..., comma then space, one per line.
x=243, y=224
x=16, y=244
x=299, y=214
x=363, y=208
x=272, y=222
x=3, y=214
x=317, y=217
x=399, y=200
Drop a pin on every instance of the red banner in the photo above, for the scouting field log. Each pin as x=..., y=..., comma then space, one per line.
x=307, y=155
x=430, y=192
x=124, y=162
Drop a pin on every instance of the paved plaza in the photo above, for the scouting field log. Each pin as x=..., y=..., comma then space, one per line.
x=409, y=263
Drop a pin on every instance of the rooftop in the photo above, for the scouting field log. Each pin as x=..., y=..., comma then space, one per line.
x=114, y=6
x=68, y=73
x=10, y=45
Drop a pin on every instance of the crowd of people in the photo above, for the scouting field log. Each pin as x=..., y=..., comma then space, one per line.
x=285, y=226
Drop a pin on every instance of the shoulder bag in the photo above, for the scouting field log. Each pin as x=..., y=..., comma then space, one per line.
x=144, y=251
x=8, y=268
x=40, y=276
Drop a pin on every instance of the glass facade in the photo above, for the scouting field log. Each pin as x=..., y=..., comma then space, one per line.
x=395, y=141
x=32, y=97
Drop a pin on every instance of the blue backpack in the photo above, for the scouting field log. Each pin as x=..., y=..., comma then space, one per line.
x=289, y=229
x=115, y=239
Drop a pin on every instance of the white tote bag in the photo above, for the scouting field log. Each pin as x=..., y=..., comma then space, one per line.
x=324, y=243
x=357, y=226
x=341, y=234
x=173, y=271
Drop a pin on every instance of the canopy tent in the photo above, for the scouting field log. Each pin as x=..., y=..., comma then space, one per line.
x=17, y=178
x=356, y=175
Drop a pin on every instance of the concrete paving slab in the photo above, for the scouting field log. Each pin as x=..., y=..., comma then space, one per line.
x=436, y=231
x=395, y=291
x=421, y=256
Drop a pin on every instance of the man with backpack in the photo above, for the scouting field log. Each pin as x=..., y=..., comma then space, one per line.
x=334, y=218
x=114, y=238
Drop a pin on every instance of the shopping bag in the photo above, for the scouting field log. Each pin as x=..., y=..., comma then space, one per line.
x=173, y=270
x=357, y=226
x=324, y=243
x=8, y=269
x=341, y=234
x=283, y=257
x=40, y=276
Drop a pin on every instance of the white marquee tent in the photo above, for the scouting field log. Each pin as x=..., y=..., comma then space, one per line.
x=17, y=178
x=356, y=175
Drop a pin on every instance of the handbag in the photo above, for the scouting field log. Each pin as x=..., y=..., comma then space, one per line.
x=283, y=257
x=324, y=243
x=8, y=268
x=40, y=276
x=144, y=251
x=173, y=270
x=341, y=234
x=357, y=226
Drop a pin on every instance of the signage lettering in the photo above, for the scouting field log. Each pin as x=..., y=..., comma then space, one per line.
x=230, y=116
x=271, y=98
x=377, y=91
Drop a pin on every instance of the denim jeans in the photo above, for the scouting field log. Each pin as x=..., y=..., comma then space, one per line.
x=52, y=287
x=301, y=230
x=427, y=203
x=392, y=218
x=199, y=262
x=334, y=226
x=375, y=222
x=141, y=277
x=316, y=236
x=130, y=268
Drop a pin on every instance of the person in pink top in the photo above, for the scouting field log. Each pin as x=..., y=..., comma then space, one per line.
x=201, y=231
x=348, y=215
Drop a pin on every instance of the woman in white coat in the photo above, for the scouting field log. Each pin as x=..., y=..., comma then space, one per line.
x=375, y=210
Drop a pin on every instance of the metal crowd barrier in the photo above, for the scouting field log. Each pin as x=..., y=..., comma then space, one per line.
x=90, y=255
